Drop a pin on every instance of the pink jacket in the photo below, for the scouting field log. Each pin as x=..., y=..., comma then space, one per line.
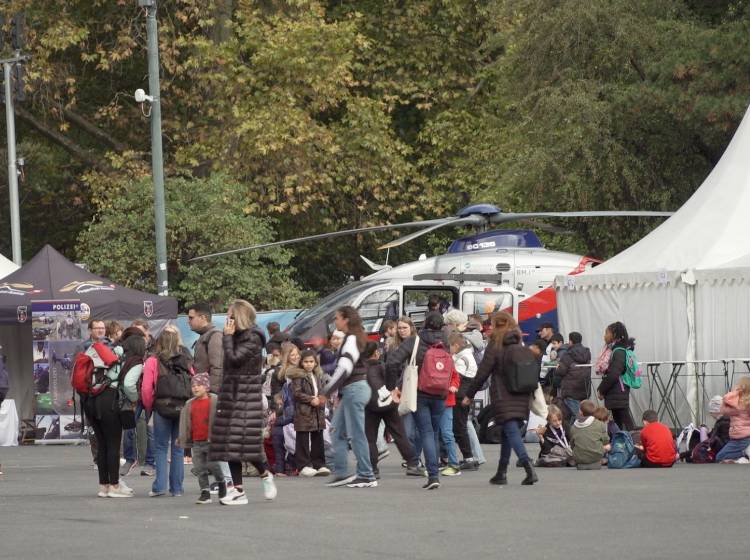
x=739, y=418
x=148, y=385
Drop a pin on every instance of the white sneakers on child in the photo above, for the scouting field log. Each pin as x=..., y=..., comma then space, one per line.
x=269, y=487
x=234, y=497
x=308, y=472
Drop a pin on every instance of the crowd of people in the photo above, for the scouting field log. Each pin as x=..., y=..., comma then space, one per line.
x=244, y=400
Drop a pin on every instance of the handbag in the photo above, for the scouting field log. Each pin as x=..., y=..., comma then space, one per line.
x=127, y=414
x=408, y=402
x=537, y=402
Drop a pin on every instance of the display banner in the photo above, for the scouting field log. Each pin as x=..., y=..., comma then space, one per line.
x=58, y=331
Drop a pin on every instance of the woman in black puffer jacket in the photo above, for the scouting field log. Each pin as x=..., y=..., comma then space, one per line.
x=615, y=393
x=237, y=434
x=511, y=409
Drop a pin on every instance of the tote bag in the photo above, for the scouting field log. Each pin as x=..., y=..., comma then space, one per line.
x=409, y=386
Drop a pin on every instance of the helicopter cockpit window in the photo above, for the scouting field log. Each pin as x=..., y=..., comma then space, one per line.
x=486, y=303
x=377, y=307
x=416, y=302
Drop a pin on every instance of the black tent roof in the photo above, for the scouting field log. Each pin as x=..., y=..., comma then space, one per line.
x=50, y=276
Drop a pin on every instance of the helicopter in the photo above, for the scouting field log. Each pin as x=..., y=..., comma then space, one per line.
x=489, y=271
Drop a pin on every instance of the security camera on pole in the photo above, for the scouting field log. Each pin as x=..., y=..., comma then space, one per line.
x=13, y=72
x=157, y=162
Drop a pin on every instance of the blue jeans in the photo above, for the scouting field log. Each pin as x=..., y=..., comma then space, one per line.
x=349, y=423
x=428, y=414
x=165, y=434
x=129, y=447
x=476, y=448
x=512, y=439
x=573, y=405
x=733, y=449
x=410, y=428
x=446, y=435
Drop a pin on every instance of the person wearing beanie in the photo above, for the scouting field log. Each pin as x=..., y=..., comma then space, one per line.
x=196, y=421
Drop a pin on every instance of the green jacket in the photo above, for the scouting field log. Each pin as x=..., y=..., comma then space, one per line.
x=589, y=436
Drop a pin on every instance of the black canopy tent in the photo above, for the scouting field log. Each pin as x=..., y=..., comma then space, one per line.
x=49, y=276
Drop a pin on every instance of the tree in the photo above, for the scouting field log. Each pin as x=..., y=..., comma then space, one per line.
x=202, y=217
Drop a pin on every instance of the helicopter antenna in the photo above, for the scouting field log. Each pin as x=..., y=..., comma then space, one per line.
x=387, y=254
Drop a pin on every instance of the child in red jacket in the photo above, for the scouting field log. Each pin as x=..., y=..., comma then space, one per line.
x=446, y=428
x=657, y=443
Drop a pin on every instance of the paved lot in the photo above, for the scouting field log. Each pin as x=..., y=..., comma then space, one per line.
x=48, y=509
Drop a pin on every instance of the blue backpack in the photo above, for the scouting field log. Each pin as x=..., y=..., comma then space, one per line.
x=622, y=455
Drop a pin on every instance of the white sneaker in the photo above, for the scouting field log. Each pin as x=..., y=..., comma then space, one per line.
x=269, y=487
x=308, y=472
x=234, y=497
x=102, y=493
x=116, y=492
x=742, y=461
x=324, y=471
x=125, y=488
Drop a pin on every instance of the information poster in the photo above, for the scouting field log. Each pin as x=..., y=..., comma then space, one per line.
x=57, y=331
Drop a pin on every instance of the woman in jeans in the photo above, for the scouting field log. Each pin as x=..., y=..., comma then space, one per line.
x=429, y=407
x=237, y=434
x=169, y=357
x=349, y=419
x=511, y=409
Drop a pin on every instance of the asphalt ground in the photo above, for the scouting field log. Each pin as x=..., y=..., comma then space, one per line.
x=49, y=510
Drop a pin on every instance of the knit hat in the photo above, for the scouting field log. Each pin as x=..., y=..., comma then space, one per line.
x=455, y=317
x=714, y=405
x=201, y=379
x=338, y=334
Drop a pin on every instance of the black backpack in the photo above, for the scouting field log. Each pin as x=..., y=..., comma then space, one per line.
x=172, y=386
x=521, y=369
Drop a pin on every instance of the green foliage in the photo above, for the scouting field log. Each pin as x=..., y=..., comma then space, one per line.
x=202, y=216
x=321, y=115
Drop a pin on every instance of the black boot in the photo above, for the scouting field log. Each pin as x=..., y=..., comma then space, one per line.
x=500, y=477
x=531, y=477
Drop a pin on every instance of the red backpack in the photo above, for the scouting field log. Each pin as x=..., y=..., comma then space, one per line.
x=435, y=374
x=88, y=377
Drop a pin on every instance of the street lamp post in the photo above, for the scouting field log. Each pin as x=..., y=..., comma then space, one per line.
x=157, y=161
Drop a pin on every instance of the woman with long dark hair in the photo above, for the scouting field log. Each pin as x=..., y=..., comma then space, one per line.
x=615, y=393
x=511, y=409
x=349, y=419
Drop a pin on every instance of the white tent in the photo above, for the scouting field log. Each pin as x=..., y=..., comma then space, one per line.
x=6, y=266
x=683, y=291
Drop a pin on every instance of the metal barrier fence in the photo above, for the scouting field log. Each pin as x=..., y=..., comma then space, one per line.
x=666, y=385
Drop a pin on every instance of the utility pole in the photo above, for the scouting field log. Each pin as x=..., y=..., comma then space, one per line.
x=8, y=65
x=157, y=161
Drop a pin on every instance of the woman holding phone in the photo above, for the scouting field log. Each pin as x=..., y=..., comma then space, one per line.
x=237, y=434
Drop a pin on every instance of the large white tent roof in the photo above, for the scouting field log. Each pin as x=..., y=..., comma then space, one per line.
x=708, y=231
x=6, y=266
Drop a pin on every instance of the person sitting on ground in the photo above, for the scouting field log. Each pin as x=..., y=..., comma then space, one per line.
x=605, y=417
x=589, y=439
x=657, y=448
x=736, y=405
x=554, y=440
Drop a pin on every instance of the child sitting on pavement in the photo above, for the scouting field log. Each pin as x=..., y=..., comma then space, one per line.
x=605, y=417
x=196, y=421
x=736, y=405
x=554, y=440
x=589, y=438
x=657, y=448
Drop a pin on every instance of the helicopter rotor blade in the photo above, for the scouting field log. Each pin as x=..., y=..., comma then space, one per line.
x=319, y=237
x=514, y=216
x=476, y=220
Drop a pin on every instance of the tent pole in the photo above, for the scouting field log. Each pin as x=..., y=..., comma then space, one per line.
x=691, y=354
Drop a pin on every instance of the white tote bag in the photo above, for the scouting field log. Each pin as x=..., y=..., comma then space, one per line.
x=537, y=402
x=409, y=386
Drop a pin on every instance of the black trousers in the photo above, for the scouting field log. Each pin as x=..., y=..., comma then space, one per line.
x=310, y=450
x=235, y=467
x=623, y=419
x=395, y=426
x=104, y=417
x=460, y=430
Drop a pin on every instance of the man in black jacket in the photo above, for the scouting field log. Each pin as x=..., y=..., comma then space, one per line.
x=574, y=373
